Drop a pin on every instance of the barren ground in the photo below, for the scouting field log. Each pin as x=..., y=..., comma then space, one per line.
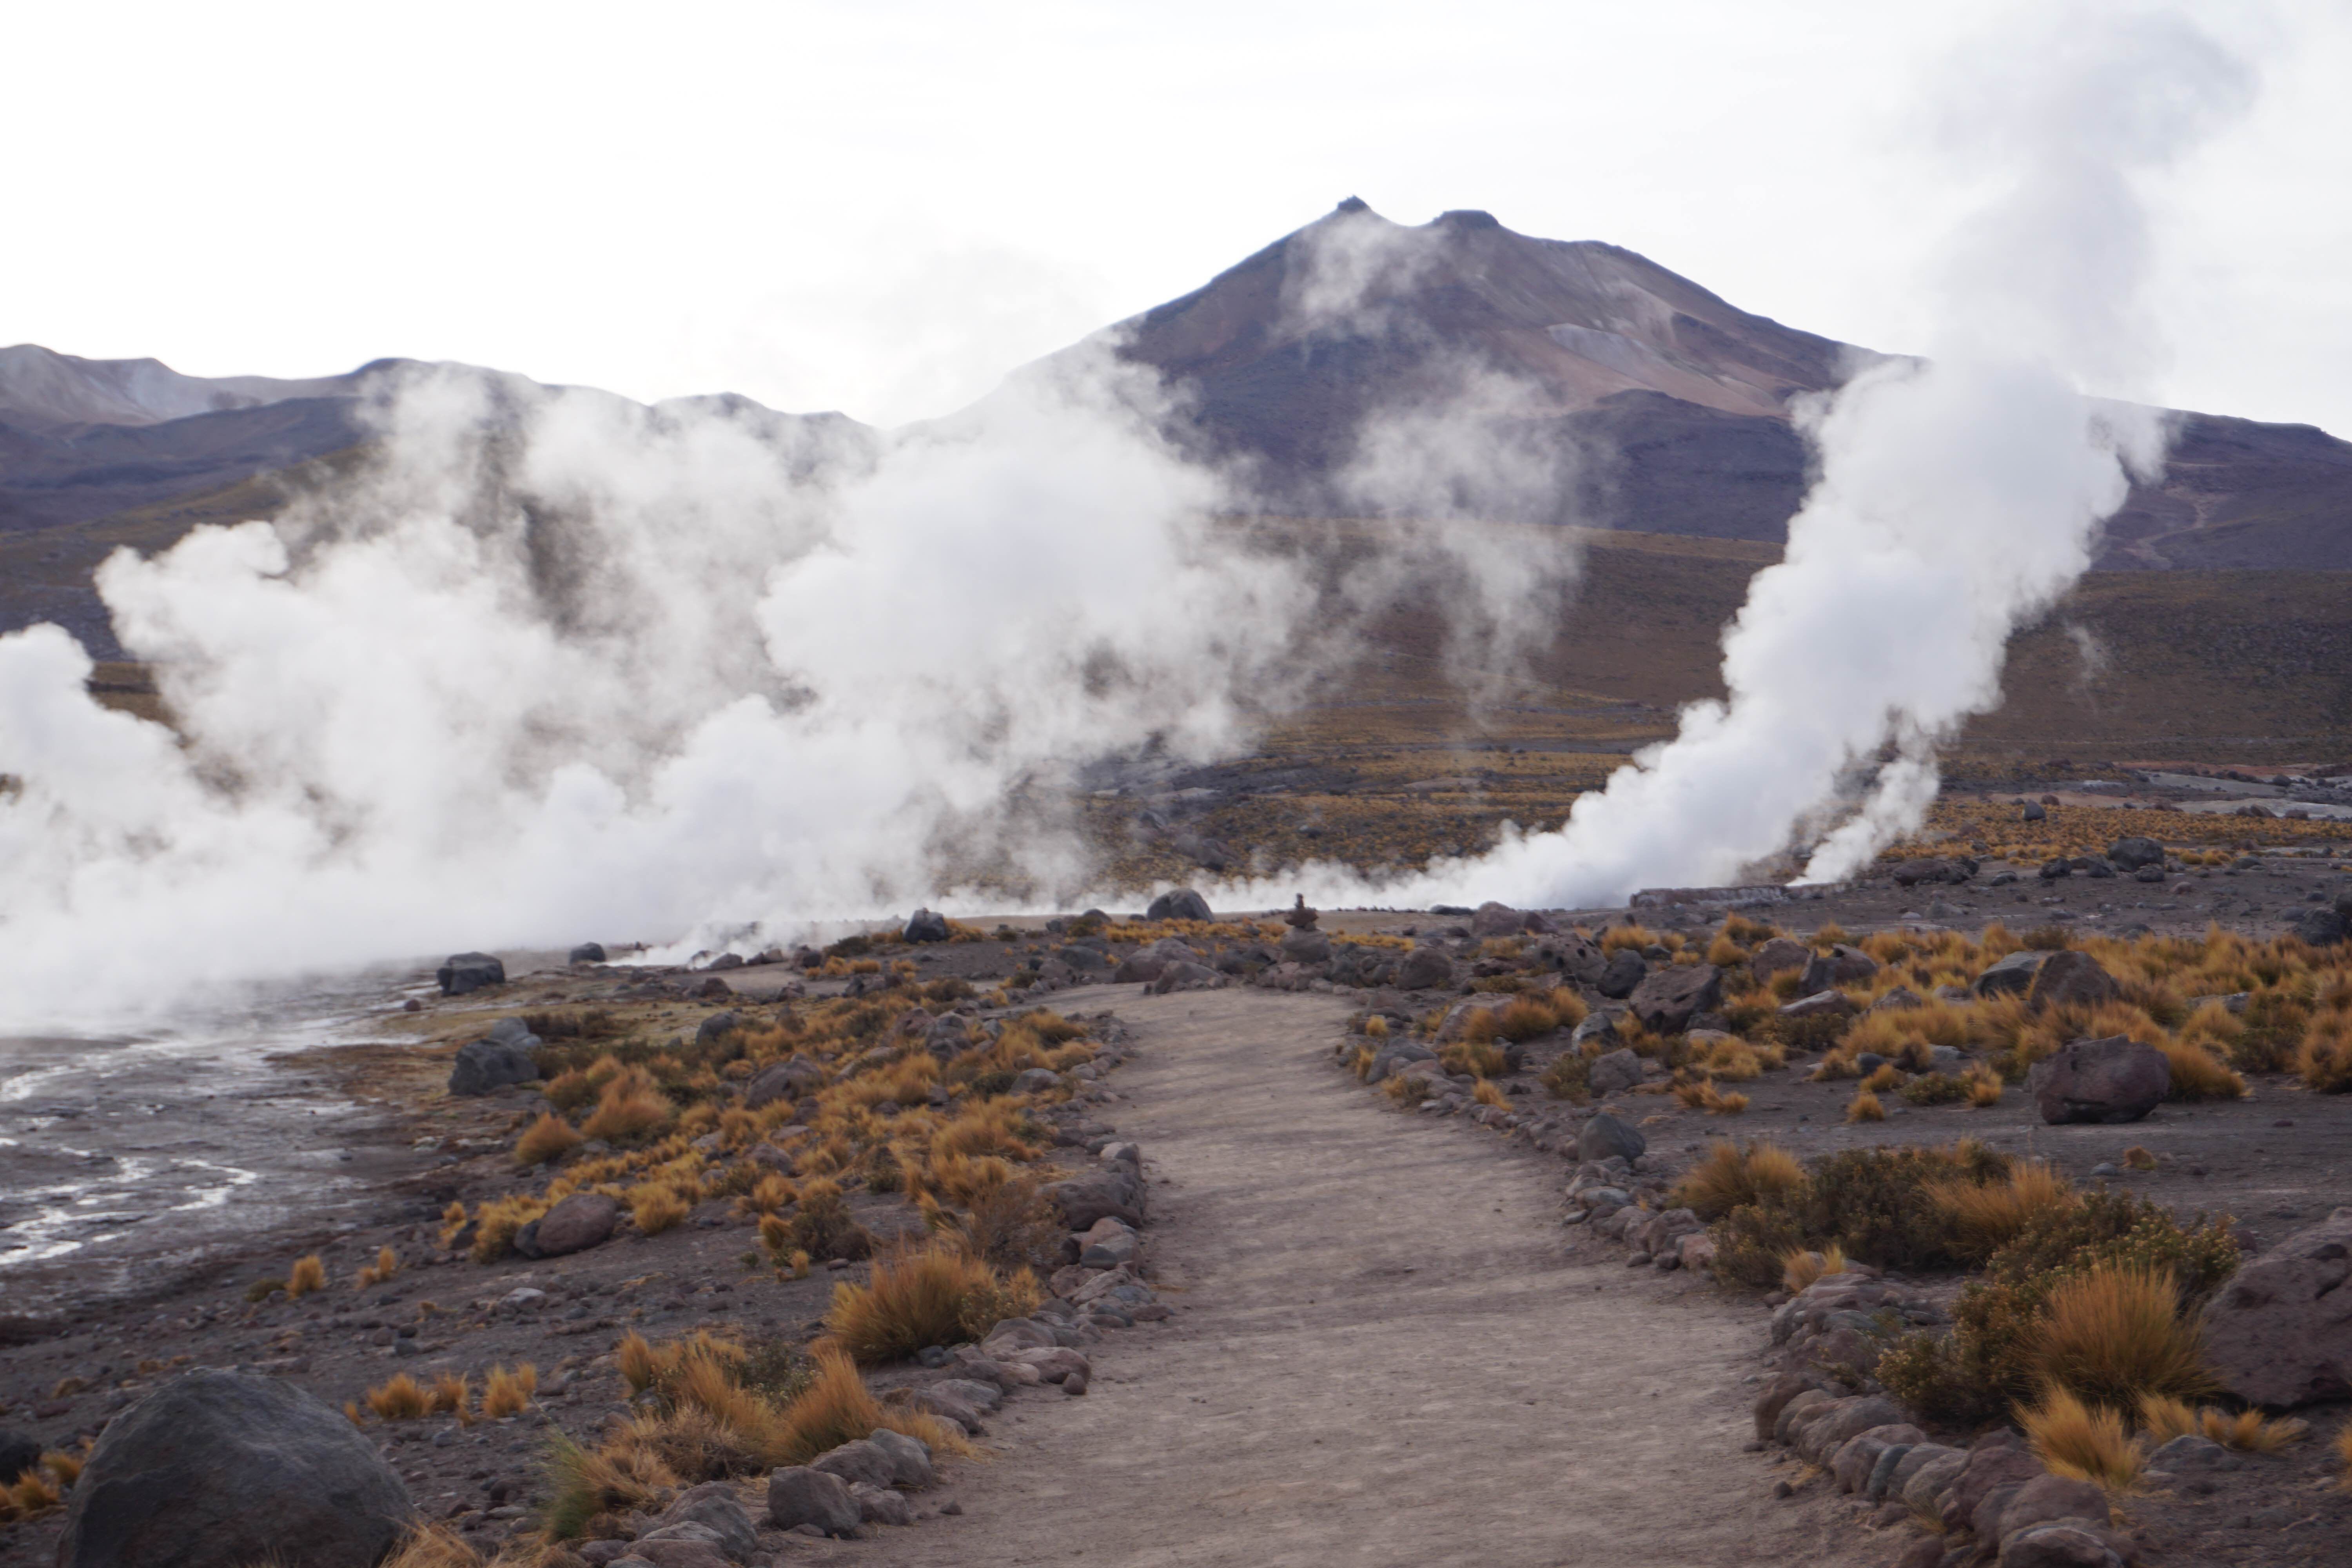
x=1384, y=1355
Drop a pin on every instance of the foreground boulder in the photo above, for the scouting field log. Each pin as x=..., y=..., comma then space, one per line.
x=1115, y=1192
x=498, y=1058
x=798, y=1495
x=2071, y=979
x=468, y=972
x=575, y=1224
x=2114, y=1079
x=1620, y=975
x=223, y=1469
x=2280, y=1332
x=1667, y=1001
x=1182, y=904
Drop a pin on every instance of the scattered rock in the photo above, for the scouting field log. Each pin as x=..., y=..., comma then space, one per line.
x=587, y=952
x=862, y=1460
x=783, y=1080
x=19, y=1453
x=1305, y=945
x=1841, y=965
x=716, y=1026
x=798, y=1495
x=1620, y=975
x=910, y=1457
x=2011, y=975
x=2280, y=1332
x=1666, y=1001
x=926, y=925
x=2132, y=853
x=713, y=1506
x=1182, y=904
x=1777, y=954
x=222, y=1469
x=577, y=1222
x=1821, y=1004
x=2110, y=1080
x=1605, y=1136
x=1425, y=969
x=2320, y=928
x=469, y=972
x=2073, y=1544
x=501, y=1057
x=2069, y=978
x=881, y=1505
x=1617, y=1070
x=1491, y=919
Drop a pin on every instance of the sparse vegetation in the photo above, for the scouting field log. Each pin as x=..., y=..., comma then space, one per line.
x=549, y=1138
x=932, y=1295
x=2084, y=1441
x=400, y=1399
x=1732, y=1175
x=308, y=1274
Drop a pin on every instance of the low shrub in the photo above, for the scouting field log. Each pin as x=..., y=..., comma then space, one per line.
x=508, y=1393
x=1803, y=1266
x=823, y=1227
x=1010, y=1226
x=2198, y=1074
x=1986, y=1216
x=386, y=1264
x=1935, y=1088
x=549, y=1138
x=1874, y=1203
x=2114, y=1333
x=1864, y=1107
x=400, y=1399
x=308, y=1274
x=1569, y=1078
x=656, y=1206
x=630, y=1109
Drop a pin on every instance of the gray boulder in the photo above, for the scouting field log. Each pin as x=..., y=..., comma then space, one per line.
x=2071, y=979
x=2131, y=854
x=1617, y=1070
x=1308, y=946
x=1605, y=1136
x=2320, y=928
x=469, y=972
x=881, y=1505
x=2011, y=976
x=798, y=1495
x=1114, y=1192
x=1667, y=1001
x=713, y=1507
x=588, y=952
x=2280, y=1332
x=2114, y=1079
x=1425, y=969
x=857, y=1461
x=910, y=1457
x=223, y=1470
x=2033, y=811
x=1491, y=919
x=485, y=1065
x=578, y=1222
x=1182, y=904
x=1620, y=975
x=926, y=925
x=1777, y=954
x=711, y=1029
x=782, y=1080
x=1841, y=965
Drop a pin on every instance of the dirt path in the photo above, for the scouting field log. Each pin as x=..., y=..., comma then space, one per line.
x=1380, y=1354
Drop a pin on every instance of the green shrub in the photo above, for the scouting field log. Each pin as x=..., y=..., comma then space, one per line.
x=1874, y=1203
x=1935, y=1088
x=1569, y=1078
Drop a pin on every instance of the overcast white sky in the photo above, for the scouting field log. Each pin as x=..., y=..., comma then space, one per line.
x=881, y=206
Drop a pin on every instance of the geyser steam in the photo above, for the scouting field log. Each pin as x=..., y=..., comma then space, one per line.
x=1957, y=494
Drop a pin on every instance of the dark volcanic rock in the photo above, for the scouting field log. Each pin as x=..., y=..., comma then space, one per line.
x=588, y=952
x=2069, y=978
x=2013, y=974
x=1182, y=904
x=1624, y=971
x=1425, y=969
x=19, y=1453
x=927, y=925
x=2114, y=1079
x=2131, y=854
x=2280, y=1332
x=1605, y=1137
x=224, y=1469
x=468, y=972
x=577, y=1222
x=1666, y=1001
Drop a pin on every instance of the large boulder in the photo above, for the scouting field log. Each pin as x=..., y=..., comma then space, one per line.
x=713, y=1507
x=1777, y=954
x=798, y=1495
x=1612, y=1071
x=1425, y=969
x=223, y=1469
x=2114, y=1079
x=2071, y=979
x=467, y=971
x=926, y=925
x=1841, y=965
x=1491, y=919
x=2280, y=1332
x=1575, y=955
x=2011, y=976
x=577, y=1222
x=716, y=1026
x=1622, y=972
x=1179, y=904
x=782, y=1080
x=1604, y=1137
x=1116, y=1191
x=1306, y=946
x=2131, y=854
x=857, y=1461
x=498, y=1058
x=588, y=952
x=910, y=1457
x=2320, y=927
x=1667, y=1001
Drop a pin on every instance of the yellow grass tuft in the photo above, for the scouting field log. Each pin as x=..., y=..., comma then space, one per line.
x=631, y=1107
x=2137, y=1158
x=2114, y=1334
x=2344, y=1453
x=308, y=1274
x=402, y=1399
x=2199, y=1074
x=549, y=1138
x=1801, y=1268
x=1376, y=1028
x=1731, y=1176
x=2085, y=1442
x=1986, y=1215
x=1486, y=1094
x=386, y=1264
x=2250, y=1431
x=2323, y=1060
x=772, y=1194
x=1864, y=1107
x=1886, y=1075
x=656, y=1207
x=509, y=1392
x=935, y=1295
x=452, y=1395
x=1984, y=1087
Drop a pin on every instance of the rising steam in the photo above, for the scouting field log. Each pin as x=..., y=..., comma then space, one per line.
x=1957, y=494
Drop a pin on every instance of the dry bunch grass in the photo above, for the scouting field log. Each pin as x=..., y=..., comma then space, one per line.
x=1986, y=1215
x=508, y=1393
x=1800, y=1266
x=400, y=1399
x=933, y=1295
x=549, y=1138
x=308, y=1274
x=656, y=1207
x=1864, y=1107
x=1732, y=1175
x=386, y=1264
x=2115, y=1335
x=2083, y=1441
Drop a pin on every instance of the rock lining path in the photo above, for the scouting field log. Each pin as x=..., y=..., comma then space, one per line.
x=1380, y=1353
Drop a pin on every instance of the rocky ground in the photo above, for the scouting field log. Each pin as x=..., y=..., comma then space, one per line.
x=1383, y=1344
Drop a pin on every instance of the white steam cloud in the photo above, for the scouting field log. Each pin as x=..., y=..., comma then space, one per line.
x=1957, y=494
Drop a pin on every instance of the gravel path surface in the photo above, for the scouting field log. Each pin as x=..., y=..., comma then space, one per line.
x=1380, y=1354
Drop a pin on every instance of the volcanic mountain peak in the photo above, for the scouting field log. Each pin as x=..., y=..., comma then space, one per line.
x=41, y=387
x=1571, y=324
